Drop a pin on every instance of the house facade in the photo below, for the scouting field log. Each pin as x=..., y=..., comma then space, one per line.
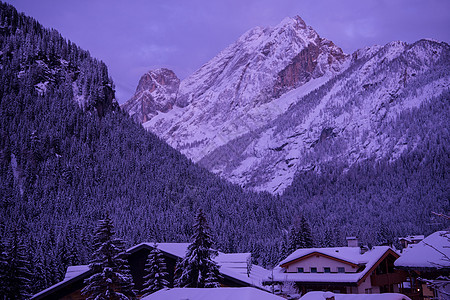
x=236, y=270
x=344, y=270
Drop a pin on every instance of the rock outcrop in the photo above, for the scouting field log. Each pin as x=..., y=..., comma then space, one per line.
x=156, y=92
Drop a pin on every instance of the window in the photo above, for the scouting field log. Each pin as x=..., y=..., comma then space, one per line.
x=300, y=270
x=313, y=270
x=341, y=270
x=327, y=270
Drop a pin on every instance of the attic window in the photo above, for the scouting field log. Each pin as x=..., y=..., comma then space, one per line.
x=327, y=270
x=313, y=270
x=300, y=270
x=341, y=270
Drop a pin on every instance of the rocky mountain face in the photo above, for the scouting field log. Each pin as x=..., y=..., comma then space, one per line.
x=284, y=99
x=238, y=90
x=156, y=92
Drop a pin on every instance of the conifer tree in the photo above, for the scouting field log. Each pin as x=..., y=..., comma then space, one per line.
x=211, y=280
x=155, y=269
x=300, y=235
x=16, y=276
x=111, y=278
x=198, y=269
x=3, y=266
x=306, y=234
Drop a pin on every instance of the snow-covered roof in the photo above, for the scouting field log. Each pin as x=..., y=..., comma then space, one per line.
x=432, y=252
x=411, y=238
x=74, y=271
x=244, y=293
x=73, y=274
x=176, y=249
x=349, y=254
x=323, y=295
x=233, y=265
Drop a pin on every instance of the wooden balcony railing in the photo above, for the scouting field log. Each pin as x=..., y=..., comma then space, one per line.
x=388, y=278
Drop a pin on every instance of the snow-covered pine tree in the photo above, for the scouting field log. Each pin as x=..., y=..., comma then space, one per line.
x=3, y=266
x=198, y=269
x=293, y=242
x=155, y=269
x=17, y=275
x=300, y=235
x=306, y=234
x=211, y=280
x=111, y=278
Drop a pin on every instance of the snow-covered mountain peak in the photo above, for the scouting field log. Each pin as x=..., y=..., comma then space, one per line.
x=240, y=89
x=266, y=105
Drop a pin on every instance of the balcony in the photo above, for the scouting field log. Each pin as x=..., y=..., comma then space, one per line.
x=388, y=278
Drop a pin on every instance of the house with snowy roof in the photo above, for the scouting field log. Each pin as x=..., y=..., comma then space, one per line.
x=236, y=270
x=429, y=260
x=346, y=270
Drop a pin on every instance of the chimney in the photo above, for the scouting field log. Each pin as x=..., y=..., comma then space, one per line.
x=352, y=241
x=363, y=249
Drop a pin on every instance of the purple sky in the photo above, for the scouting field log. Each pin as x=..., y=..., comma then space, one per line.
x=132, y=37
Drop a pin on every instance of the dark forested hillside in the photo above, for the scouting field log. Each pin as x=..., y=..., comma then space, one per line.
x=69, y=155
x=380, y=199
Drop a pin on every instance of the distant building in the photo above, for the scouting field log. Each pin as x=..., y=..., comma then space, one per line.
x=410, y=240
x=430, y=261
x=236, y=270
x=345, y=270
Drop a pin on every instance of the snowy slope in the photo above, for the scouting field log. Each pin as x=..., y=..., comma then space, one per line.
x=350, y=118
x=239, y=89
x=284, y=99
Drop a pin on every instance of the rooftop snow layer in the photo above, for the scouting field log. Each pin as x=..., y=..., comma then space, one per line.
x=385, y=296
x=234, y=265
x=245, y=293
x=74, y=271
x=350, y=254
x=432, y=252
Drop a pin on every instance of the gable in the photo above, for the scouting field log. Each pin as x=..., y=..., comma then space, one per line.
x=388, y=254
x=317, y=254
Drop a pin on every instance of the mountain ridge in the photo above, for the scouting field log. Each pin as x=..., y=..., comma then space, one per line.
x=223, y=105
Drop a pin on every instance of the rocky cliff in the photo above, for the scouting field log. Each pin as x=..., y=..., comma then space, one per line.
x=156, y=92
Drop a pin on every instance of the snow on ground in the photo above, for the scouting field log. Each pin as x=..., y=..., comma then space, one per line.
x=245, y=293
x=432, y=252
